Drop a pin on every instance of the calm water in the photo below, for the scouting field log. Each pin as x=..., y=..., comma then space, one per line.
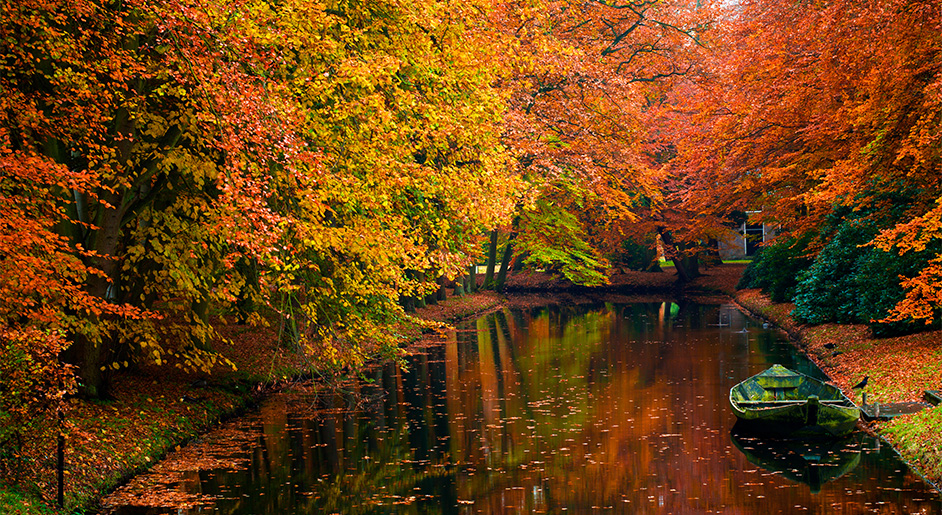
x=576, y=409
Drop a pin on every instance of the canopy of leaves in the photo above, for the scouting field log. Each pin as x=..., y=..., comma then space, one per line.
x=801, y=107
x=552, y=239
x=581, y=80
x=164, y=159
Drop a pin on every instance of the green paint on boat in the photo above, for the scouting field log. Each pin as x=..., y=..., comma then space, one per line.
x=784, y=402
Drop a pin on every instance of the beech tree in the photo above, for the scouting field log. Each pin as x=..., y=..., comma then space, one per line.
x=803, y=107
x=399, y=99
x=162, y=158
x=110, y=106
x=579, y=89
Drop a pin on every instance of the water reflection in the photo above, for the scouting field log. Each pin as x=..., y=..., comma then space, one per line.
x=562, y=408
x=812, y=462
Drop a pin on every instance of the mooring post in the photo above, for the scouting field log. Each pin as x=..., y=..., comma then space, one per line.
x=60, y=465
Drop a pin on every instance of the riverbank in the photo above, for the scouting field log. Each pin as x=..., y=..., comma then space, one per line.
x=155, y=410
x=900, y=369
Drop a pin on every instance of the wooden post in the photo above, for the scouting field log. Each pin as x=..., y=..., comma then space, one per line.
x=60, y=465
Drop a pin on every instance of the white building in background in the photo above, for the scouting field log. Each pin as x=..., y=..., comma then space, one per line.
x=746, y=240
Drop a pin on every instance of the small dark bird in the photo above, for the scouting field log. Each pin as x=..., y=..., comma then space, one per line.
x=862, y=383
x=829, y=345
x=836, y=353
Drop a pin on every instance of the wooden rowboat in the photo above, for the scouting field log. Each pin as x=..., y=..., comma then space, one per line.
x=783, y=402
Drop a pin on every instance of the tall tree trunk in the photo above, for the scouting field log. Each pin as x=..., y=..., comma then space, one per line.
x=442, y=294
x=491, y=262
x=691, y=265
x=672, y=251
x=91, y=352
x=420, y=299
x=408, y=301
x=250, y=291
x=472, y=278
x=504, y=264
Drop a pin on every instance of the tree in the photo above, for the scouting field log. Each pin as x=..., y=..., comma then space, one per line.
x=165, y=157
x=584, y=76
x=803, y=107
x=401, y=104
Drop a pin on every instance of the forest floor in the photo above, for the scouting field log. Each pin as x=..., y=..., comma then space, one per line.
x=156, y=410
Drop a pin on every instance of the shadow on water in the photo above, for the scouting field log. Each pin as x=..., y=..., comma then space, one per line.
x=582, y=409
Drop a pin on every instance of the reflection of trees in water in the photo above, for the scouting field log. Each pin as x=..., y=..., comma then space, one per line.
x=531, y=410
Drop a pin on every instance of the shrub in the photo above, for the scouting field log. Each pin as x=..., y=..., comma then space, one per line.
x=776, y=267
x=33, y=384
x=878, y=283
x=828, y=290
x=853, y=282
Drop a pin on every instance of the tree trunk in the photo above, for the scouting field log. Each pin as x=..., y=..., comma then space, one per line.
x=91, y=352
x=683, y=273
x=692, y=266
x=442, y=294
x=504, y=265
x=491, y=262
x=250, y=291
x=473, y=278
x=420, y=299
x=408, y=301
x=431, y=298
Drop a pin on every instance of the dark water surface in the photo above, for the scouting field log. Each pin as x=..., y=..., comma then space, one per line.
x=575, y=409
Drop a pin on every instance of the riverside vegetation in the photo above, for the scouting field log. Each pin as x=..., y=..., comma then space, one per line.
x=299, y=177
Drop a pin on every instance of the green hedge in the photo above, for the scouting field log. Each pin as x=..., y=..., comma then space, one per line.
x=851, y=281
x=775, y=268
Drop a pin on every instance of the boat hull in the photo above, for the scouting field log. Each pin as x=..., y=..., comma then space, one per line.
x=794, y=420
x=782, y=402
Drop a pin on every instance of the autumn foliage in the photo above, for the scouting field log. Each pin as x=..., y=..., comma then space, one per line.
x=170, y=165
x=165, y=161
x=800, y=109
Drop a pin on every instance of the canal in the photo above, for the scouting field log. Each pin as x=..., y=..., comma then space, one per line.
x=594, y=408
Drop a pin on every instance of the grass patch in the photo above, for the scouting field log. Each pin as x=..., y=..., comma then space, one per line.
x=15, y=503
x=918, y=437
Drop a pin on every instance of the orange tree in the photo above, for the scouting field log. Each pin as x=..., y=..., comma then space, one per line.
x=109, y=107
x=803, y=107
x=162, y=158
x=584, y=76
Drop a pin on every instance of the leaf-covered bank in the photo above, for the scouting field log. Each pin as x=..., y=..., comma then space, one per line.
x=155, y=410
x=900, y=369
